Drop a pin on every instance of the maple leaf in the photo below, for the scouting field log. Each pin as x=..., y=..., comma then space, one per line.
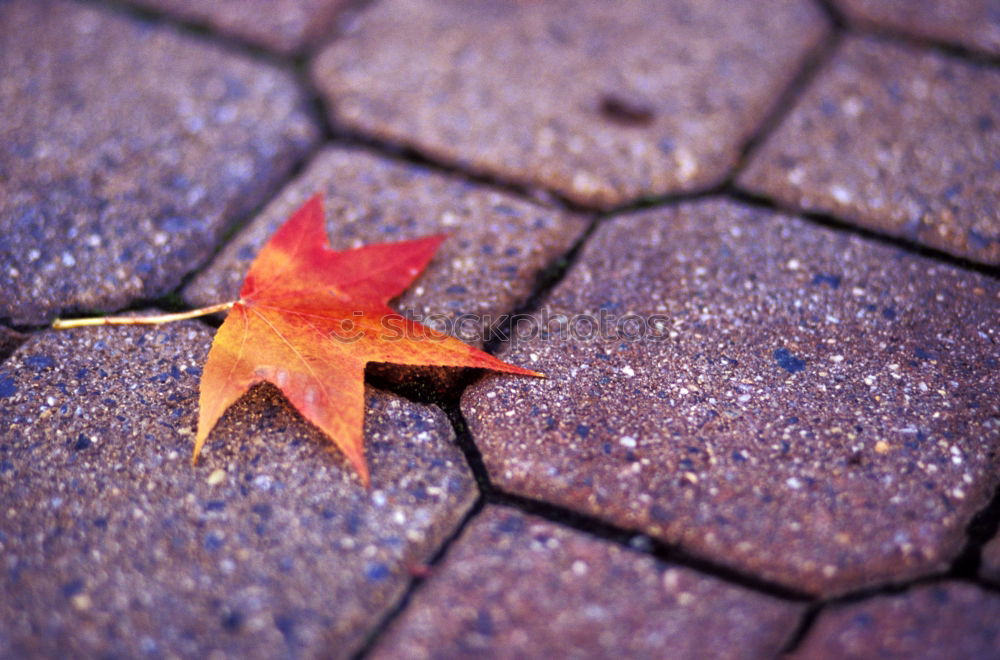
x=309, y=319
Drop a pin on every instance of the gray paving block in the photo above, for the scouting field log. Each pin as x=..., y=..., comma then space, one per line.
x=940, y=621
x=974, y=24
x=286, y=26
x=114, y=545
x=516, y=586
x=602, y=102
x=497, y=244
x=796, y=403
x=899, y=140
x=126, y=150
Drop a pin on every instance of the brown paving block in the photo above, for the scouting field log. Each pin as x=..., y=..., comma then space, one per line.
x=902, y=141
x=602, y=102
x=113, y=545
x=946, y=620
x=989, y=567
x=804, y=405
x=972, y=23
x=516, y=586
x=287, y=26
x=125, y=151
x=498, y=244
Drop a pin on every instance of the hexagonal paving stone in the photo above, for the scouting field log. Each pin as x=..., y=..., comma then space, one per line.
x=113, y=545
x=794, y=402
x=947, y=620
x=972, y=23
x=516, y=586
x=498, y=243
x=900, y=140
x=287, y=26
x=125, y=151
x=602, y=102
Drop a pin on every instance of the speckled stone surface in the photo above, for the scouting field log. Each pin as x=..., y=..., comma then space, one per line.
x=125, y=151
x=602, y=102
x=989, y=567
x=809, y=407
x=112, y=545
x=898, y=140
x=286, y=26
x=939, y=621
x=498, y=244
x=516, y=586
x=974, y=24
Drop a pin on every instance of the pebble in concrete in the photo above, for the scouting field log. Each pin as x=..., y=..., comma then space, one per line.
x=899, y=140
x=602, y=102
x=516, y=586
x=974, y=24
x=946, y=620
x=114, y=545
x=797, y=403
x=286, y=26
x=126, y=149
x=498, y=244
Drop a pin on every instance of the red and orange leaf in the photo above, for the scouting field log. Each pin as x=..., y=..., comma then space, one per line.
x=310, y=318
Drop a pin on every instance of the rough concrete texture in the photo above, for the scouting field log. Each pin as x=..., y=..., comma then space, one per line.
x=940, y=621
x=989, y=567
x=498, y=244
x=125, y=151
x=114, y=546
x=899, y=140
x=973, y=24
x=602, y=102
x=286, y=26
x=516, y=586
x=806, y=406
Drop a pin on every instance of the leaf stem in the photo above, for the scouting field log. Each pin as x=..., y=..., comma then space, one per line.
x=64, y=324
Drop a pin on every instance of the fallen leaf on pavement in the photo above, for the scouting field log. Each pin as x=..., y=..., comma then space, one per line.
x=310, y=318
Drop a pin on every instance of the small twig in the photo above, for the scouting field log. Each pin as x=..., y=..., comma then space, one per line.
x=64, y=324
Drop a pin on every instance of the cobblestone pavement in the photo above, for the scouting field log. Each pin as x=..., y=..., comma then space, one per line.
x=754, y=246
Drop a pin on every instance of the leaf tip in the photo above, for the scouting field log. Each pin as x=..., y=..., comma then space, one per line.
x=317, y=198
x=518, y=371
x=354, y=452
x=198, y=443
x=361, y=467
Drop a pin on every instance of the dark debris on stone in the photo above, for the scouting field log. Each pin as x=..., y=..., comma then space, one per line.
x=605, y=103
